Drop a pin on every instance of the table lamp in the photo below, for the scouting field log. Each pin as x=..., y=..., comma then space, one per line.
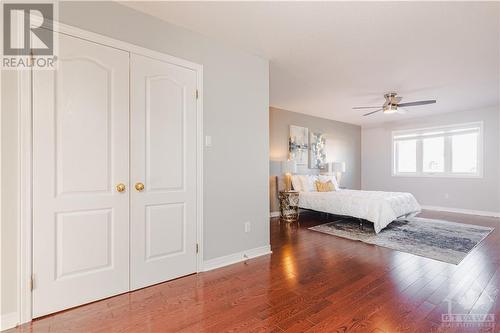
x=338, y=168
x=288, y=167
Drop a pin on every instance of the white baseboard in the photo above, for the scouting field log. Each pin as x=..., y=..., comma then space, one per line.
x=234, y=258
x=275, y=214
x=462, y=211
x=8, y=320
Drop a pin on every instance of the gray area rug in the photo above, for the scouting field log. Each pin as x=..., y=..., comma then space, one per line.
x=436, y=239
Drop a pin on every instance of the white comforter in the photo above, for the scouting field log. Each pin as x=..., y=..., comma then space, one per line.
x=378, y=207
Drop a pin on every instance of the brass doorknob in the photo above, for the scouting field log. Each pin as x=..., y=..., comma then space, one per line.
x=121, y=187
x=139, y=187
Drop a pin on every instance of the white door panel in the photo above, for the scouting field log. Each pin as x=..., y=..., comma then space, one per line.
x=163, y=157
x=80, y=151
x=165, y=111
x=81, y=104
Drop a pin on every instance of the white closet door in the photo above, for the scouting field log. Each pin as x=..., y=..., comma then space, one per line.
x=80, y=154
x=163, y=158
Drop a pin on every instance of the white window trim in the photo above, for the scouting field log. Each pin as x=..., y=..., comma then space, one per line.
x=447, y=154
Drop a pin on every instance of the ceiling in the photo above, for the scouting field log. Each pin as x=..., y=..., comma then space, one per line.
x=326, y=57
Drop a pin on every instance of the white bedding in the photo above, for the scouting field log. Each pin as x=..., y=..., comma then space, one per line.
x=378, y=207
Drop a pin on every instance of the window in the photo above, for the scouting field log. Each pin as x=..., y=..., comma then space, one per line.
x=433, y=154
x=464, y=152
x=451, y=151
x=407, y=155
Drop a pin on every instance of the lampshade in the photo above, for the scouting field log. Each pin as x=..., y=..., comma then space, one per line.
x=289, y=166
x=338, y=167
x=329, y=167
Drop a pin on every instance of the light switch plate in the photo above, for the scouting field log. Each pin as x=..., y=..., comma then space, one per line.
x=208, y=141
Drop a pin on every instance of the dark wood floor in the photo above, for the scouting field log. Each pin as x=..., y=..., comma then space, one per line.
x=311, y=283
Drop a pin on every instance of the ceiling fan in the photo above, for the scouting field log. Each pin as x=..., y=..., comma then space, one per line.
x=392, y=104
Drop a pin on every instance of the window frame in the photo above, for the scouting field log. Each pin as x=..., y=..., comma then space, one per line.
x=448, y=158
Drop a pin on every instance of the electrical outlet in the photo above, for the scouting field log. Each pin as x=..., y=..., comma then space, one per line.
x=247, y=226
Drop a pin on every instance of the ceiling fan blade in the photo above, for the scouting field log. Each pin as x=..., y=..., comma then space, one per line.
x=369, y=113
x=365, y=107
x=432, y=101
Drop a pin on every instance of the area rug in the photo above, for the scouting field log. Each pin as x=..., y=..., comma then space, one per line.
x=436, y=239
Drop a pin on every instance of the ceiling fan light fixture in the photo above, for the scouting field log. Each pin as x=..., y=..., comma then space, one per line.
x=390, y=109
x=392, y=104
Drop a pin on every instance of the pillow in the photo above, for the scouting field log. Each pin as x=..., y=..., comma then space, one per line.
x=333, y=179
x=296, y=183
x=325, y=187
x=311, y=183
x=304, y=182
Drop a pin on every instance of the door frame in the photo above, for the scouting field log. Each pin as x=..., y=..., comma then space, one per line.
x=25, y=148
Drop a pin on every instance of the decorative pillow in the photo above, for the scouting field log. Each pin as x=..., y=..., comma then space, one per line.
x=311, y=183
x=325, y=187
x=333, y=179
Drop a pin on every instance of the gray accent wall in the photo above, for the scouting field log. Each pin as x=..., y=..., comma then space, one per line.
x=343, y=143
x=481, y=194
x=236, y=115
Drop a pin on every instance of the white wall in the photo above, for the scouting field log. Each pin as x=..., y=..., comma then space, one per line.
x=9, y=195
x=460, y=193
x=236, y=115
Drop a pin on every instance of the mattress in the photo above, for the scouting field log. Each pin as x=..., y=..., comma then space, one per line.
x=380, y=208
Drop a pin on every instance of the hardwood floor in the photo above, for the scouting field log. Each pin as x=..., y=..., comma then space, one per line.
x=311, y=283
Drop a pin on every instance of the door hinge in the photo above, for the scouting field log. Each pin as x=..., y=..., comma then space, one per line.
x=197, y=248
x=32, y=282
x=196, y=93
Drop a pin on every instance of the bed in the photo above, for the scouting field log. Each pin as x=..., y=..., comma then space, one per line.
x=378, y=207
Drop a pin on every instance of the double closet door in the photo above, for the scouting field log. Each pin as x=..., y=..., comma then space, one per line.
x=114, y=174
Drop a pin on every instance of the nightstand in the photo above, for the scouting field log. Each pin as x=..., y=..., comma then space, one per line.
x=289, y=206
